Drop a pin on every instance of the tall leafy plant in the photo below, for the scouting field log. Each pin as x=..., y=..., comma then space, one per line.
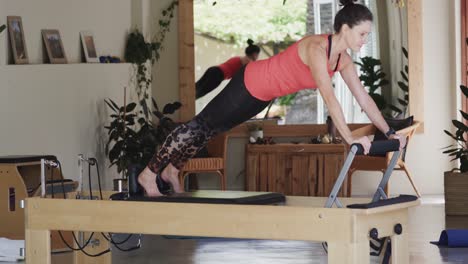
x=140, y=52
x=404, y=86
x=133, y=139
x=133, y=135
x=460, y=150
x=373, y=78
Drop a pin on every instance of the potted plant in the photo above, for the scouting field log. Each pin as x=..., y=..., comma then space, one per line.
x=456, y=180
x=403, y=84
x=133, y=138
x=373, y=78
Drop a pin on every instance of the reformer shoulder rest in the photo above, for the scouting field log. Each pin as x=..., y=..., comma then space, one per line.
x=379, y=147
x=395, y=200
x=211, y=197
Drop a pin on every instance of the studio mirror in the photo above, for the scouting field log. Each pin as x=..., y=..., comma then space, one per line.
x=213, y=31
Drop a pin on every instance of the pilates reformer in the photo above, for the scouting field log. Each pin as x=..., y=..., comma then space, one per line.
x=346, y=229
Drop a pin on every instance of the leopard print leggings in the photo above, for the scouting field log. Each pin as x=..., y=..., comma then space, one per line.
x=182, y=144
x=231, y=107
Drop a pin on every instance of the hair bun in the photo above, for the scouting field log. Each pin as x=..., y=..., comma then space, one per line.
x=250, y=42
x=347, y=2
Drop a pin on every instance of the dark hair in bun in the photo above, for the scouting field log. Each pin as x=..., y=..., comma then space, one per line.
x=347, y=2
x=251, y=49
x=351, y=14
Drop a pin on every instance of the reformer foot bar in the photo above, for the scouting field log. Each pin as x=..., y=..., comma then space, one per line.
x=346, y=230
x=378, y=148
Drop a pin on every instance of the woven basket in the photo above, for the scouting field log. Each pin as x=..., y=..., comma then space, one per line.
x=456, y=193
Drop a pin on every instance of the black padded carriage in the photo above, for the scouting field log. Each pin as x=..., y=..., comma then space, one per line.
x=212, y=197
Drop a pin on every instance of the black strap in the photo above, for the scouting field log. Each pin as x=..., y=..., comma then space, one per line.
x=337, y=62
x=329, y=52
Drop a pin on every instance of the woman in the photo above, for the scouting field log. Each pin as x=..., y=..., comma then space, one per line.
x=309, y=63
x=213, y=76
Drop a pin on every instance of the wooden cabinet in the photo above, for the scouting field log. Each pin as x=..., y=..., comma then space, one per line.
x=294, y=169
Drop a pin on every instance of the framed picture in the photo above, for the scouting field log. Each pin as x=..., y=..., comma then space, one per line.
x=89, y=47
x=54, y=46
x=17, y=41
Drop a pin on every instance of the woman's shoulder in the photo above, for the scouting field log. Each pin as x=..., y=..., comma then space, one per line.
x=315, y=42
x=312, y=45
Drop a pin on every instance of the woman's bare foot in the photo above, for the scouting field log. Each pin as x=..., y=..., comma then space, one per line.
x=171, y=174
x=147, y=179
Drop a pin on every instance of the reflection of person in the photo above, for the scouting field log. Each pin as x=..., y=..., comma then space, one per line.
x=213, y=76
x=309, y=63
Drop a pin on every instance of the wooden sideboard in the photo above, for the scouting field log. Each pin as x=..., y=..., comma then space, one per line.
x=294, y=169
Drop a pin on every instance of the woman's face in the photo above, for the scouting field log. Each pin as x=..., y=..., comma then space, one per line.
x=253, y=56
x=358, y=35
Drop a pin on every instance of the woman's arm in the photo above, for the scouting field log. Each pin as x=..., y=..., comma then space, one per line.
x=349, y=75
x=318, y=67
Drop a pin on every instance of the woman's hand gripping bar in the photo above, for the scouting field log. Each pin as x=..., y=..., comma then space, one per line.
x=379, y=148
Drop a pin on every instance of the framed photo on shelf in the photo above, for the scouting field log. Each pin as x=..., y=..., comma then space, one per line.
x=54, y=46
x=17, y=41
x=89, y=47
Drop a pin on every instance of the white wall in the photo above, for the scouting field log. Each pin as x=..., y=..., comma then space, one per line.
x=59, y=109
x=425, y=158
x=108, y=19
x=165, y=71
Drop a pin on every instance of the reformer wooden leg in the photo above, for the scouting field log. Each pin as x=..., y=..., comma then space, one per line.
x=400, y=253
x=37, y=246
x=349, y=253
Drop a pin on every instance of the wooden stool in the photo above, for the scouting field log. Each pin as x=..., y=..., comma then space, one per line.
x=20, y=178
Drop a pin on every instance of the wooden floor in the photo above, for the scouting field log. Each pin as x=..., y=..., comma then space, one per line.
x=427, y=221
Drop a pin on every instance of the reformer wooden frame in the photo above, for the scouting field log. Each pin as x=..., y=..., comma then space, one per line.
x=302, y=218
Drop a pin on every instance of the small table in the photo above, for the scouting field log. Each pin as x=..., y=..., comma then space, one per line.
x=294, y=169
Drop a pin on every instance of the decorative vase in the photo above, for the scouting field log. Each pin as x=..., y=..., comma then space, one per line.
x=256, y=134
x=120, y=185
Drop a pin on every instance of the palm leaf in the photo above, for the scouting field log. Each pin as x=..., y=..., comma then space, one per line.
x=459, y=125
x=464, y=90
